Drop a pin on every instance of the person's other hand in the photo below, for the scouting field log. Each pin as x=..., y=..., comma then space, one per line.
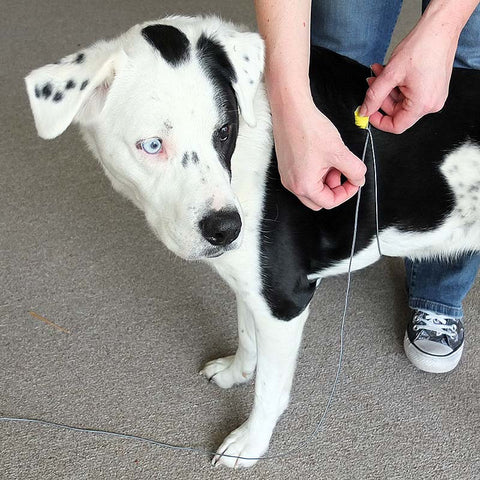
x=413, y=83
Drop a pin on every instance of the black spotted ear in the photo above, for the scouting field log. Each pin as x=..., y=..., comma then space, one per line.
x=246, y=51
x=73, y=88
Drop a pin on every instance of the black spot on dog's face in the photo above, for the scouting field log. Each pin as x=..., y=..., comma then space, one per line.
x=173, y=45
x=84, y=85
x=70, y=84
x=58, y=97
x=190, y=158
x=37, y=91
x=221, y=73
x=185, y=160
x=47, y=90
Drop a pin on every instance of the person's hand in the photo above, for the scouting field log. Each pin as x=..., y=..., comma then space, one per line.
x=414, y=82
x=312, y=156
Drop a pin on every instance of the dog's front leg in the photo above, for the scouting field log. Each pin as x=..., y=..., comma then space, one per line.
x=238, y=368
x=277, y=347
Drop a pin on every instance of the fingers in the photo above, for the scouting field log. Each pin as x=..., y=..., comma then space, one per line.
x=327, y=190
x=377, y=69
x=396, y=122
x=399, y=112
x=394, y=101
x=331, y=193
x=309, y=203
x=378, y=91
x=350, y=166
x=391, y=101
x=330, y=197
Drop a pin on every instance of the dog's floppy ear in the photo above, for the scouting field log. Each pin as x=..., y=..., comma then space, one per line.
x=74, y=88
x=246, y=51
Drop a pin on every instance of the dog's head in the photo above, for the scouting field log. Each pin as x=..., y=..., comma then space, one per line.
x=159, y=106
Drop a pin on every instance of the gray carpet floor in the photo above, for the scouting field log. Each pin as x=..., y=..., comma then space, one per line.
x=140, y=323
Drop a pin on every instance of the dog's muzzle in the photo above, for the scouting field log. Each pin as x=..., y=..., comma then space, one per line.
x=221, y=228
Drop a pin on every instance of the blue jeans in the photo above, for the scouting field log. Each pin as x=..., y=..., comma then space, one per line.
x=362, y=30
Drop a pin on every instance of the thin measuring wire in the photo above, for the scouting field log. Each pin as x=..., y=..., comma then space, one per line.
x=202, y=451
x=375, y=186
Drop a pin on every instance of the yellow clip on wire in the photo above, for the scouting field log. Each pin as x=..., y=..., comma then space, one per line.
x=361, y=122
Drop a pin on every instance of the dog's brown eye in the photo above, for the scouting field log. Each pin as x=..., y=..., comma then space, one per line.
x=224, y=133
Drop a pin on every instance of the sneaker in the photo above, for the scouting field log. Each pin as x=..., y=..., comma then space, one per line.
x=434, y=343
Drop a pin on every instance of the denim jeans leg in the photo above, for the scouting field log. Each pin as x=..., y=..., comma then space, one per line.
x=356, y=28
x=441, y=286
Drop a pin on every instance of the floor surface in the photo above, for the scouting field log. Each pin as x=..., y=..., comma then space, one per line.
x=140, y=322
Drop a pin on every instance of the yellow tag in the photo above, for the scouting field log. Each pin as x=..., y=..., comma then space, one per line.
x=361, y=122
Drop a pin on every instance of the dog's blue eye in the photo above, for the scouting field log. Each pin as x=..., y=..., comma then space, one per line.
x=151, y=145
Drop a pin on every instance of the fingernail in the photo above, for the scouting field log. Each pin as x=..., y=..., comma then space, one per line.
x=362, y=111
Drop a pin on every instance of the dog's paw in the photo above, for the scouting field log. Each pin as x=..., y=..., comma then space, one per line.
x=225, y=372
x=242, y=448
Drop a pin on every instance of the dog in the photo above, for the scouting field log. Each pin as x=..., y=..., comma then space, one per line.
x=176, y=112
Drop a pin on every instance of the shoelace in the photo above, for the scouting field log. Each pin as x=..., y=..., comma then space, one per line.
x=434, y=324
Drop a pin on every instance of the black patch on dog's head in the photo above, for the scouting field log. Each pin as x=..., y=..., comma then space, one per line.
x=220, y=71
x=80, y=58
x=215, y=60
x=169, y=41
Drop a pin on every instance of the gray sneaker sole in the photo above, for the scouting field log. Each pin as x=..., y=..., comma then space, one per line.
x=431, y=363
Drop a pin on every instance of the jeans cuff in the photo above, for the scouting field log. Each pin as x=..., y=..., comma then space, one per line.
x=435, y=307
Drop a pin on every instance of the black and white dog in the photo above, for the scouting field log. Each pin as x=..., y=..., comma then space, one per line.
x=159, y=107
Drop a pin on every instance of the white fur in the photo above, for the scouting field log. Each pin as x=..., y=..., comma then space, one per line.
x=133, y=94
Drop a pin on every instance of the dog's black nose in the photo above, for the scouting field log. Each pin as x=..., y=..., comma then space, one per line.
x=221, y=228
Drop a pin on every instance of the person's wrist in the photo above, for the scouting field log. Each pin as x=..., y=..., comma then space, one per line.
x=447, y=21
x=288, y=91
x=288, y=102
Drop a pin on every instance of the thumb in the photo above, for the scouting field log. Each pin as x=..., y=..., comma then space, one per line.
x=379, y=89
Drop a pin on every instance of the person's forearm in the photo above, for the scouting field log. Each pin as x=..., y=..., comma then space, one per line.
x=310, y=152
x=285, y=27
x=449, y=16
x=445, y=19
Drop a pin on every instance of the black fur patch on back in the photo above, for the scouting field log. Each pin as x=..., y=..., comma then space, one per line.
x=413, y=194
x=169, y=41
